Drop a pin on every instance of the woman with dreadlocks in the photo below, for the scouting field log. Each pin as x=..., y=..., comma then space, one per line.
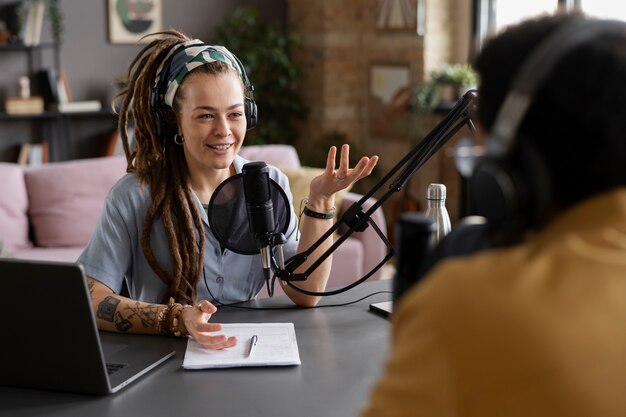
x=153, y=263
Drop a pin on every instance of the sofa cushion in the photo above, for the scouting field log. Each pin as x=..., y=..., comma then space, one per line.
x=66, y=198
x=279, y=155
x=57, y=254
x=13, y=206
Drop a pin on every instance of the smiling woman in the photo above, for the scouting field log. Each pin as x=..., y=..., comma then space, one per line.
x=210, y=113
x=191, y=105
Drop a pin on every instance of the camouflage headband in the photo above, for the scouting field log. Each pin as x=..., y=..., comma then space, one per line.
x=194, y=54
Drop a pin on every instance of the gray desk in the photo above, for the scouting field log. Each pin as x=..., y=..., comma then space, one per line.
x=342, y=351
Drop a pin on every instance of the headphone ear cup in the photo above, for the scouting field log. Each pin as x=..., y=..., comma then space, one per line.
x=492, y=193
x=165, y=124
x=250, y=111
x=512, y=193
x=538, y=180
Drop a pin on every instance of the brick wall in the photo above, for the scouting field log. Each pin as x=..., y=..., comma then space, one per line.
x=341, y=42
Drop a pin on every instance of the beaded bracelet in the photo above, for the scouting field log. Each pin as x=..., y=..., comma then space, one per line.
x=163, y=317
x=176, y=312
x=317, y=215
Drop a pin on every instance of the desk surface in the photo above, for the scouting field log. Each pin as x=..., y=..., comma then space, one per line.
x=342, y=351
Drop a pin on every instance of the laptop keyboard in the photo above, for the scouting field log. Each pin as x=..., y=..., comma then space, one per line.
x=114, y=367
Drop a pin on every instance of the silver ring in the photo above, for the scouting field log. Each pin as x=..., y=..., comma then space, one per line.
x=341, y=179
x=199, y=306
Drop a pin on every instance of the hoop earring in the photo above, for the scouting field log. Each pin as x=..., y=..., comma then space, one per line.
x=178, y=139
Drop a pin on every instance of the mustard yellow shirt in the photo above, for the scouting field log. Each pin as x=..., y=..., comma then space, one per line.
x=534, y=330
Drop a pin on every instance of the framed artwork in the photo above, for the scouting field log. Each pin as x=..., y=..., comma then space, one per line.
x=398, y=15
x=130, y=20
x=389, y=98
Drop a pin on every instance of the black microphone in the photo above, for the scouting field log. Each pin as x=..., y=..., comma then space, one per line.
x=258, y=197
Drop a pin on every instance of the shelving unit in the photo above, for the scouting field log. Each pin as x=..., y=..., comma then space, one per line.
x=34, y=52
x=52, y=126
x=56, y=128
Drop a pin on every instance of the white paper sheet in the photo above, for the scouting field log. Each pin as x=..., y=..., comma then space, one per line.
x=276, y=346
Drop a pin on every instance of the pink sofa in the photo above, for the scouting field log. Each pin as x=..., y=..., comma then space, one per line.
x=48, y=212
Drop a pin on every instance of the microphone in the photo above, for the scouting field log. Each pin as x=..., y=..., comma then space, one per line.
x=260, y=209
x=250, y=213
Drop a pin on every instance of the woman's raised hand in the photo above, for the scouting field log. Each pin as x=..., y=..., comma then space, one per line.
x=336, y=179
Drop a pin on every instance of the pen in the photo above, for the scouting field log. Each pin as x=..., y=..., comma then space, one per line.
x=253, y=342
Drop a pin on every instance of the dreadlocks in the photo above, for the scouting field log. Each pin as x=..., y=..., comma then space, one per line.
x=160, y=164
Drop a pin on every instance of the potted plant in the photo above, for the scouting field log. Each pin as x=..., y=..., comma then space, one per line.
x=266, y=53
x=452, y=80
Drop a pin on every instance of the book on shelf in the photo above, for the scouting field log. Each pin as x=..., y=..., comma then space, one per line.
x=79, y=106
x=45, y=84
x=20, y=105
x=22, y=157
x=33, y=22
x=52, y=85
x=63, y=87
x=32, y=154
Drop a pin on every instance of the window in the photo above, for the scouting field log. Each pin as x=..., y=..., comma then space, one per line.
x=490, y=16
x=508, y=12
x=607, y=9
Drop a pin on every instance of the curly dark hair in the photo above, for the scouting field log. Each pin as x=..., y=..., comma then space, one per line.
x=577, y=120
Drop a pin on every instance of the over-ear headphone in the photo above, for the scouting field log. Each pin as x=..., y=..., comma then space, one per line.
x=177, y=54
x=511, y=186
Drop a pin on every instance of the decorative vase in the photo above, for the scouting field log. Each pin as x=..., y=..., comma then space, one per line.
x=448, y=93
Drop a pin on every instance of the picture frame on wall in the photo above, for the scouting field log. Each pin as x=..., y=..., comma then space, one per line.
x=130, y=20
x=390, y=91
x=398, y=15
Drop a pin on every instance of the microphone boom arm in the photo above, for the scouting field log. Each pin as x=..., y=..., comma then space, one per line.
x=358, y=220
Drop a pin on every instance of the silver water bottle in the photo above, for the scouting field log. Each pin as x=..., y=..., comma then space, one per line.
x=436, y=210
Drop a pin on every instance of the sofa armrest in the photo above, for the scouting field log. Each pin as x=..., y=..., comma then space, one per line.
x=374, y=248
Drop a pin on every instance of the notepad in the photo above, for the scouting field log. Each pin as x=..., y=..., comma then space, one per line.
x=276, y=346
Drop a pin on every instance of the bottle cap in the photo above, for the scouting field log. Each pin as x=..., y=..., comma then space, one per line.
x=436, y=192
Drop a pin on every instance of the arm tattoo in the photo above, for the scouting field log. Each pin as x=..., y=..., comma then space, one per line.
x=122, y=324
x=147, y=314
x=107, y=308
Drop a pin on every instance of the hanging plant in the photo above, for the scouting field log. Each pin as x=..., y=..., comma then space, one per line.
x=55, y=17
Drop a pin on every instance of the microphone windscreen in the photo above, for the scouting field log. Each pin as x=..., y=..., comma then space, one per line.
x=228, y=215
x=256, y=187
x=256, y=182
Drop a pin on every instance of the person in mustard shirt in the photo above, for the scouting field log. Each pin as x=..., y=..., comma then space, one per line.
x=536, y=325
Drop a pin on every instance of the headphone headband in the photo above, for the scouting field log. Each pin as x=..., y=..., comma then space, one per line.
x=180, y=60
x=536, y=69
x=184, y=58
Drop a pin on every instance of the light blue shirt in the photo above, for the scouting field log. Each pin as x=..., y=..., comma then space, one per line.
x=114, y=254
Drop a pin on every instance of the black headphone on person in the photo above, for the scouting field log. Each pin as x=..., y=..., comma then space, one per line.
x=511, y=186
x=157, y=99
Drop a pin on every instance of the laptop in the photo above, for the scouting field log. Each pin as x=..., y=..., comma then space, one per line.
x=50, y=339
x=384, y=308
